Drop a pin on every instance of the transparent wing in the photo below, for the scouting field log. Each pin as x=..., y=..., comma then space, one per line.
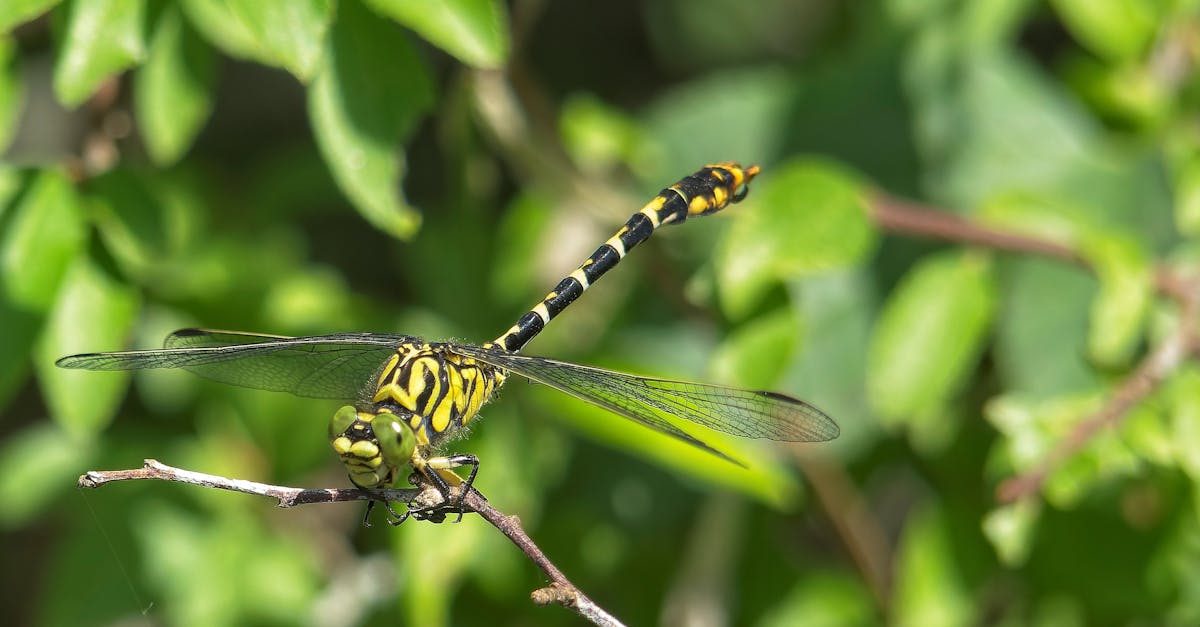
x=335, y=366
x=745, y=413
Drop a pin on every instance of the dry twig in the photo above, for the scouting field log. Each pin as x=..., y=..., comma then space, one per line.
x=560, y=591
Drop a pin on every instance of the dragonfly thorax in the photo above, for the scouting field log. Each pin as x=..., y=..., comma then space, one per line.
x=437, y=390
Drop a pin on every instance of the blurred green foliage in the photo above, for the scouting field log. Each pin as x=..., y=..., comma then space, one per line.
x=432, y=168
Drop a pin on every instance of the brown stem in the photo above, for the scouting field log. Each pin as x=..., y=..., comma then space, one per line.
x=909, y=218
x=560, y=591
x=858, y=529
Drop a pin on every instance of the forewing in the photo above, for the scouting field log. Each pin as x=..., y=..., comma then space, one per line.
x=336, y=366
x=745, y=413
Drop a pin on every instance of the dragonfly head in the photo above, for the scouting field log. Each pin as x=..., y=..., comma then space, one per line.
x=374, y=445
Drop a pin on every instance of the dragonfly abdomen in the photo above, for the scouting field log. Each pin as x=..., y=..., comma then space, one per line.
x=436, y=390
x=706, y=191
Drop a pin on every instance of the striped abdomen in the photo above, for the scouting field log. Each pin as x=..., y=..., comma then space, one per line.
x=707, y=191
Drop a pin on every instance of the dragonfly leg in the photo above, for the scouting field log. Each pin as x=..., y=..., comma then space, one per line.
x=439, y=471
x=394, y=518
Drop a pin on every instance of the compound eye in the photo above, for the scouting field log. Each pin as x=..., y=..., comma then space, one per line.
x=396, y=439
x=342, y=419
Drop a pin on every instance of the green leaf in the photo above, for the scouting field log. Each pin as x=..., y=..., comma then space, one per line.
x=823, y=599
x=218, y=23
x=758, y=101
x=929, y=587
x=10, y=183
x=19, y=330
x=1010, y=530
x=1033, y=428
x=103, y=37
x=43, y=238
x=361, y=108
x=93, y=313
x=1117, y=29
x=765, y=478
x=130, y=220
x=187, y=562
x=1187, y=197
x=1184, y=420
x=806, y=217
x=172, y=92
x=429, y=600
x=474, y=31
x=290, y=33
x=1041, y=340
x=526, y=224
x=598, y=136
x=37, y=465
x=1119, y=309
x=830, y=371
x=1004, y=110
x=17, y=12
x=930, y=335
x=12, y=91
x=756, y=353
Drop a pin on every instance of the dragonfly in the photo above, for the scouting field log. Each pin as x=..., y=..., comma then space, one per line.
x=408, y=396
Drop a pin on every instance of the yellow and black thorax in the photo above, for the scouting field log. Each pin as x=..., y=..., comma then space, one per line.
x=434, y=389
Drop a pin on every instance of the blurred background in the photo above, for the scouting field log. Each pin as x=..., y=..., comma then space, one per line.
x=434, y=168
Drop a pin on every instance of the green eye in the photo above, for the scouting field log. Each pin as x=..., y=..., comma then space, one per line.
x=396, y=439
x=342, y=420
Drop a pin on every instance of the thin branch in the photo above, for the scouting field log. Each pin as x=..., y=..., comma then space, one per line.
x=858, y=529
x=909, y=218
x=560, y=591
x=1145, y=379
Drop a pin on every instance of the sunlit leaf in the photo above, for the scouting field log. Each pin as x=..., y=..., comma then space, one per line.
x=805, y=217
x=44, y=235
x=764, y=478
x=221, y=26
x=929, y=586
x=40, y=455
x=1117, y=29
x=188, y=560
x=1185, y=420
x=17, y=12
x=361, y=110
x=430, y=599
x=1187, y=197
x=172, y=91
x=598, y=136
x=824, y=599
x=93, y=312
x=930, y=335
x=1120, y=307
x=756, y=353
x=102, y=38
x=1010, y=530
x=290, y=33
x=475, y=31
x=1034, y=429
x=12, y=92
